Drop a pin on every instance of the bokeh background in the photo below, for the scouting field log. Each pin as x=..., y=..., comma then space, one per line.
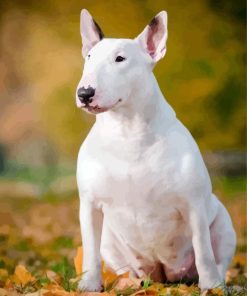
x=202, y=76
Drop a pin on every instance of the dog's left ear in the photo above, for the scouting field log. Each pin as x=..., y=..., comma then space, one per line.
x=153, y=38
x=91, y=33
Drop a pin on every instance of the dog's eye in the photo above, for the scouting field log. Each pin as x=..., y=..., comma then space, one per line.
x=119, y=59
x=88, y=56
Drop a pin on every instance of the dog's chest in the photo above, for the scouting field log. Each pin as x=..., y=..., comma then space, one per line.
x=132, y=175
x=135, y=184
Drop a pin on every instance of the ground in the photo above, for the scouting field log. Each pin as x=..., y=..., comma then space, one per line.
x=40, y=247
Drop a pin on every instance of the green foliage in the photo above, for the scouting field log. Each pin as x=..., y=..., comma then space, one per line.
x=202, y=75
x=67, y=272
x=231, y=187
x=146, y=283
x=63, y=242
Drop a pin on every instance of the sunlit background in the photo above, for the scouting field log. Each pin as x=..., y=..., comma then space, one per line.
x=202, y=76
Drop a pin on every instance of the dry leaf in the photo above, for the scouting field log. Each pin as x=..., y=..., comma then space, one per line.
x=147, y=292
x=215, y=291
x=78, y=261
x=58, y=291
x=53, y=277
x=124, y=283
x=22, y=275
x=107, y=275
x=3, y=292
x=40, y=292
x=231, y=274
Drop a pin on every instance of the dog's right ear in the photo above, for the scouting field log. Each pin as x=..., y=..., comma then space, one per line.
x=153, y=39
x=90, y=32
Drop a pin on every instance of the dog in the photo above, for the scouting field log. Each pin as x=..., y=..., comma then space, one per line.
x=146, y=201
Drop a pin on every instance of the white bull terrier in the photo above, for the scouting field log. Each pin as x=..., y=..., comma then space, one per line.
x=146, y=201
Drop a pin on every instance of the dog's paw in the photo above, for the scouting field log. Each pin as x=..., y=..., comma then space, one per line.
x=90, y=284
x=210, y=284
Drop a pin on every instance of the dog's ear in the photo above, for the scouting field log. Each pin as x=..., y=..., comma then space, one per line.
x=153, y=38
x=90, y=32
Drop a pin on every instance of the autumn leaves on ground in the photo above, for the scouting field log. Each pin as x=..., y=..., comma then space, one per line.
x=40, y=250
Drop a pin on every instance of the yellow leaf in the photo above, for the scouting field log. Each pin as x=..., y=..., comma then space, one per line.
x=78, y=261
x=22, y=275
x=215, y=291
x=58, y=292
x=108, y=276
x=218, y=292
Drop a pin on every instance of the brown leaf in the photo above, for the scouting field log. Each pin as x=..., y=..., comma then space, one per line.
x=231, y=274
x=215, y=291
x=124, y=283
x=3, y=292
x=58, y=291
x=40, y=292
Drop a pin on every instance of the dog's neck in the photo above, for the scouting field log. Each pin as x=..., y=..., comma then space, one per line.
x=145, y=112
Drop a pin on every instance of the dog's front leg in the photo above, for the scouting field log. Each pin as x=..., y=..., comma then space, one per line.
x=204, y=256
x=91, y=220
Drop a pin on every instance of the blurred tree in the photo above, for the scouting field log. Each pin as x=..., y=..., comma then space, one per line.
x=202, y=75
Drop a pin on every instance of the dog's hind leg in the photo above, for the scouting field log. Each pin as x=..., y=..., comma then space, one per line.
x=223, y=238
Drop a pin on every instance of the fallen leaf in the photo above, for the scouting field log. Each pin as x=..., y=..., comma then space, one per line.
x=147, y=292
x=107, y=275
x=3, y=292
x=231, y=274
x=53, y=277
x=78, y=261
x=40, y=292
x=22, y=275
x=124, y=283
x=215, y=291
x=58, y=291
x=9, y=292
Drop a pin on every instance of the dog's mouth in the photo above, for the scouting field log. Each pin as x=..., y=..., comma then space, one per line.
x=97, y=109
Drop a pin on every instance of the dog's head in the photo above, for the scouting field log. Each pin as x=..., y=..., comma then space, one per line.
x=115, y=68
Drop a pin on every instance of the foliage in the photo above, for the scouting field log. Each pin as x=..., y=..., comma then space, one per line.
x=64, y=282
x=39, y=251
x=202, y=76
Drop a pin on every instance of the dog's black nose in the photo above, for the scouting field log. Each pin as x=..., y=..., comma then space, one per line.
x=85, y=94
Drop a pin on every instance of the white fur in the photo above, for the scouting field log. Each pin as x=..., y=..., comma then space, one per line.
x=146, y=196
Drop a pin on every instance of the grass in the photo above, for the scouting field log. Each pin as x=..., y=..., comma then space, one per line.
x=43, y=234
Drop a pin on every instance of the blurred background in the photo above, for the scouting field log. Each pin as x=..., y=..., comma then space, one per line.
x=202, y=76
